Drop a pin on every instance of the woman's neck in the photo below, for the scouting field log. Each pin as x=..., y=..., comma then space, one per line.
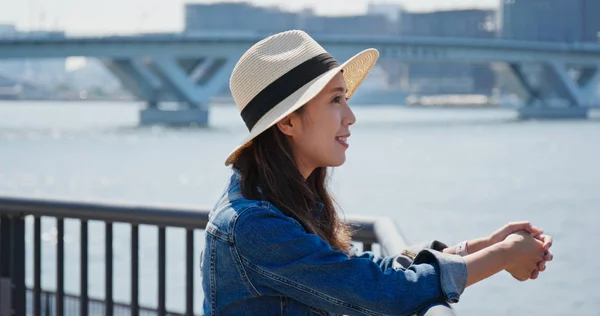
x=304, y=168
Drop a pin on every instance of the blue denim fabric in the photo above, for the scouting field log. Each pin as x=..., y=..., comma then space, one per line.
x=258, y=261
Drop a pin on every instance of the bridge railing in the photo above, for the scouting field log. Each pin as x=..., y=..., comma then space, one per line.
x=17, y=299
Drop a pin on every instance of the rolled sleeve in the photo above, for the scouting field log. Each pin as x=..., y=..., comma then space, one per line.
x=453, y=272
x=432, y=244
x=384, y=263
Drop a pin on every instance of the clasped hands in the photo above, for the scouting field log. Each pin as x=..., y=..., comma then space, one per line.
x=528, y=248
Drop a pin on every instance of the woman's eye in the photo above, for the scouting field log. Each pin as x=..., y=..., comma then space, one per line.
x=337, y=99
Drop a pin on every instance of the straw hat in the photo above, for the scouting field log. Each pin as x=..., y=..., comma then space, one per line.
x=281, y=73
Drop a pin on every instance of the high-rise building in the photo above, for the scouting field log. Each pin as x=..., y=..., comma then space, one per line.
x=453, y=23
x=35, y=70
x=237, y=18
x=245, y=18
x=392, y=12
x=354, y=25
x=550, y=20
x=590, y=23
x=450, y=77
x=381, y=19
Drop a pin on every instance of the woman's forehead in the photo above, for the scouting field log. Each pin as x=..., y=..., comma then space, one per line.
x=337, y=83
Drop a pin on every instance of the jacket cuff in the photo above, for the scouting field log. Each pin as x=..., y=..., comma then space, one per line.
x=453, y=272
x=432, y=244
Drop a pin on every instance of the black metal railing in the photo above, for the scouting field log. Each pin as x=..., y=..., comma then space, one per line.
x=17, y=299
x=72, y=306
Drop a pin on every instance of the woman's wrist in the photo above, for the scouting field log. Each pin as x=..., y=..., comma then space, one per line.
x=469, y=246
x=487, y=262
x=504, y=249
x=478, y=244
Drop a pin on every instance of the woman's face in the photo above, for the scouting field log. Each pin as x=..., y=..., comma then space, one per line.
x=319, y=133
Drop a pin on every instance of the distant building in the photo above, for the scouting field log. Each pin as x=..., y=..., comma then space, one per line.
x=240, y=18
x=454, y=23
x=7, y=30
x=11, y=31
x=381, y=19
x=237, y=18
x=432, y=78
x=590, y=21
x=392, y=12
x=354, y=25
x=551, y=20
x=39, y=71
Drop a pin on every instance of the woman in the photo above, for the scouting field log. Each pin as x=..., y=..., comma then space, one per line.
x=274, y=242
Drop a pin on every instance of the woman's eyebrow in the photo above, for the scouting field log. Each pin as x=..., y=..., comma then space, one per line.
x=339, y=89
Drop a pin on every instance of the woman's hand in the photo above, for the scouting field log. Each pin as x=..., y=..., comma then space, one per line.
x=546, y=243
x=535, y=232
x=525, y=254
x=518, y=248
x=513, y=227
x=499, y=235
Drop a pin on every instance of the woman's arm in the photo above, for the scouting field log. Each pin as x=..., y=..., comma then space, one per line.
x=519, y=254
x=486, y=262
x=525, y=227
x=277, y=257
x=499, y=235
x=474, y=246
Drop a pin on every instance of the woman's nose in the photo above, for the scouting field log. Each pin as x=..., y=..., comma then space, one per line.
x=349, y=117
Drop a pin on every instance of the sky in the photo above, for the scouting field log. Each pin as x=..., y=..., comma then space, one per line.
x=105, y=17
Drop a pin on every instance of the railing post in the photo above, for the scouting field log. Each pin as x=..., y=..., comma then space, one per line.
x=47, y=305
x=162, y=310
x=135, y=274
x=37, y=266
x=83, y=287
x=5, y=257
x=189, y=275
x=367, y=247
x=18, y=267
x=12, y=266
x=60, y=267
x=108, y=274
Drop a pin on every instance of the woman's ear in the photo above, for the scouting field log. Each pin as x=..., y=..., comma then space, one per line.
x=286, y=126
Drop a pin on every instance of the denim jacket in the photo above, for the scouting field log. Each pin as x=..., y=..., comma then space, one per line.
x=258, y=261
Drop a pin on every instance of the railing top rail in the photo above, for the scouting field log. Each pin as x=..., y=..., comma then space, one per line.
x=160, y=215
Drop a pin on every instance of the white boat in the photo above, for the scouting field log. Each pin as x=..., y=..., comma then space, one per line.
x=9, y=89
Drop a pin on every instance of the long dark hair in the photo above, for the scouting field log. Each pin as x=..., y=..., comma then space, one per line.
x=268, y=163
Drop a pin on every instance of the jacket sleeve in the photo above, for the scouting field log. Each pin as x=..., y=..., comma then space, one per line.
x=384, y=262
x=401, y=260
x=280, y=257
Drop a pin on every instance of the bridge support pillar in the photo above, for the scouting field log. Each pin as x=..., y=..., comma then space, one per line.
x=189, y=81
x=554, y=92
x=135, y=77
x=538, y=112
x=174, y=117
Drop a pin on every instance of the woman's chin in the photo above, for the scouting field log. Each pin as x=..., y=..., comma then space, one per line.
x=337, y=162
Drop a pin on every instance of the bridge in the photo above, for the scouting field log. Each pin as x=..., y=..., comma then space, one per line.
x=192, y=69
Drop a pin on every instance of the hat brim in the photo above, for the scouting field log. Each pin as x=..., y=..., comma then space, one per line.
x=355, y=70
